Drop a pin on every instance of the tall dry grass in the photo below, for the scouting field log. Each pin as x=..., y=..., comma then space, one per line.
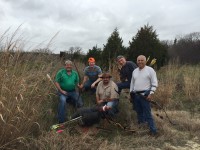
x=24, y=95
x=179, y=86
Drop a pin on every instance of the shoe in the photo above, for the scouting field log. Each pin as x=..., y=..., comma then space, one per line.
x=154, y=134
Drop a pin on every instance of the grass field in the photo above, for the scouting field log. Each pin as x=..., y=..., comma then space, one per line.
x=28, y=104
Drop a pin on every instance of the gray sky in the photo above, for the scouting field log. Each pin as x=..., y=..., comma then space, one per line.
x=86, y=23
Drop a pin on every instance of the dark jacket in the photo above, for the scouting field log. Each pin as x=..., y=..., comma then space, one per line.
x=126, y=71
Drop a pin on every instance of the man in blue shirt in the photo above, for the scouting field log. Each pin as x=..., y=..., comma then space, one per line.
x=126, y=70
x=91, y=75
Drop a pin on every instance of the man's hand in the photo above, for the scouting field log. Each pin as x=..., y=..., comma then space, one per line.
x=107, y=99
x=93, y=85
x=63, y=92
x=149, y=97
x=132, y=94
x=80, y=86
x=106, y=108
x=100, y=101
x=130, y=99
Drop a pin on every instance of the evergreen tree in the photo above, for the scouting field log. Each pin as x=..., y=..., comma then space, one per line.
x=146, y=43
x=112, y=48
x=94, y=52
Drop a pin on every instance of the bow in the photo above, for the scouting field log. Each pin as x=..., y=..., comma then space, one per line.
x=156, y=104
x=62, y=125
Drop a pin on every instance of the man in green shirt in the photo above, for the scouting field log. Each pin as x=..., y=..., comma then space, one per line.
x=66, y=81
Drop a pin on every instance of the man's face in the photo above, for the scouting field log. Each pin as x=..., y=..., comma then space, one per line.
x=121, y=61
x=106, y=80
x=141, y=62
x=91, y=64
x=68, y=67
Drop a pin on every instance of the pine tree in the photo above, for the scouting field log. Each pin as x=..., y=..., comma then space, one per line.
x=146, y=42
x=112, y=48
x=94, y=52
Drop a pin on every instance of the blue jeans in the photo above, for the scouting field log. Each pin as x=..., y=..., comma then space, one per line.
x=87, y=86
x=71, y=97
x=143, y=110
x=114, y=107
x=123, y=85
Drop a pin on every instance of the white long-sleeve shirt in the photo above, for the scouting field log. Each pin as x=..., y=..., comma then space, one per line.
x=144, y=79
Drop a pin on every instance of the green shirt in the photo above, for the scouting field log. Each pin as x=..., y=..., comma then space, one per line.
x=67, y=82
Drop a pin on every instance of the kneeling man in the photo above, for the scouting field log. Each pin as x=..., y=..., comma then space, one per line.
x=107, y=94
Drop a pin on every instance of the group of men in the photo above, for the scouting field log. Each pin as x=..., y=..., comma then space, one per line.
x=140, y=79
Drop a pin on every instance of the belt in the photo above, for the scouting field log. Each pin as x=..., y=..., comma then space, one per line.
x=70, y=90
x=140, y=92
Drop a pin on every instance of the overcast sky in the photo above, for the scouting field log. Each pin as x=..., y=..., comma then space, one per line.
x=86, y=23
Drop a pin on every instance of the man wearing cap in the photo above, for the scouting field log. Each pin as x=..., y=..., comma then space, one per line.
x=91, y=75
x=66, y=81
x=106, y=94
x=126, y=70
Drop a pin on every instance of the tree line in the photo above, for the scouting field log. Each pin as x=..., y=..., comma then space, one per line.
x=146, y=42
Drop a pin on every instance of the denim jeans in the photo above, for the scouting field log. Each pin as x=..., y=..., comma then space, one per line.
x=143, y=110
x=114, y=107
x=123, y=85
x=87, y=86
x=72, y=98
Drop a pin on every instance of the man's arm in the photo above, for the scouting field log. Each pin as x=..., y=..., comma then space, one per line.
x=59, y=88
x=98, y=100
x=98, y=80
x=114, y=92
x=85, y=78
x=132, y=83
x=121, y=75
x=58, y=79
x=154, y=83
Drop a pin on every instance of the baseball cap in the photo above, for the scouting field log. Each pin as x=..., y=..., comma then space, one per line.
x=91, y=59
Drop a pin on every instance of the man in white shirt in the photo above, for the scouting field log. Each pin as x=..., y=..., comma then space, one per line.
x=143, y=85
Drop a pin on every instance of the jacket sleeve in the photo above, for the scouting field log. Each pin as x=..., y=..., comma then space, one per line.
x=154, y=81
x=132, y=83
